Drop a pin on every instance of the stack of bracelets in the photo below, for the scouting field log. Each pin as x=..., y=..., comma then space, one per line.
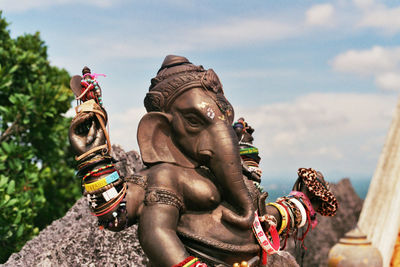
x=105, y=190
x=295, y=212
x=249, y=155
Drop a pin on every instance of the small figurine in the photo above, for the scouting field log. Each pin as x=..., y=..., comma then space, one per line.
x=87, y=87
x=243, y=131
x=248, y=152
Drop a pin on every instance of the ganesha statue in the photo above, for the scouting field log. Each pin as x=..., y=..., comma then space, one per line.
x=193, y=202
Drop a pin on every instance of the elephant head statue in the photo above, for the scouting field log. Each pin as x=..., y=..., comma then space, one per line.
x=188, y=124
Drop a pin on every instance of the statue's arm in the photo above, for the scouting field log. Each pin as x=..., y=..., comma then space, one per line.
x=101, y=184
x=157, y=234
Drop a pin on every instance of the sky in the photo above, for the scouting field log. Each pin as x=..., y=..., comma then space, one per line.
x=317, y=80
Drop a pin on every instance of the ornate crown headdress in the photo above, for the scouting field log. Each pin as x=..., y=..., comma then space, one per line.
x=176, y=76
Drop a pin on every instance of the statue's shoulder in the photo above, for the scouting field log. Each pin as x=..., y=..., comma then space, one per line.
x=165, y=174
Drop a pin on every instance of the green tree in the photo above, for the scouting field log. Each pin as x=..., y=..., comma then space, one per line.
x=37, y=182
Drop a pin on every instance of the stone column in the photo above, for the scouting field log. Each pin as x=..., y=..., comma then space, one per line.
x=380, y=216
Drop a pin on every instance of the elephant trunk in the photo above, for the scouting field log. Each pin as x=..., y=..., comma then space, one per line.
x=224, y=161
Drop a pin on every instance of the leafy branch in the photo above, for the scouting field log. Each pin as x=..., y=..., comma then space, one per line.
x=11, y=129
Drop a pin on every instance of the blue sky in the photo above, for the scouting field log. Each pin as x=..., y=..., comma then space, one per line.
x=317, y=80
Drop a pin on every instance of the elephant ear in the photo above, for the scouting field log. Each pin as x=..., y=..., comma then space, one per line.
x=155, y=141
x=75, y=85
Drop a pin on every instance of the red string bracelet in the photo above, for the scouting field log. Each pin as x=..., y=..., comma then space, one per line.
x=97, y=174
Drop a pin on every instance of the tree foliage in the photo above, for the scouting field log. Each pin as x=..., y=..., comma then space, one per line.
x=36, y=165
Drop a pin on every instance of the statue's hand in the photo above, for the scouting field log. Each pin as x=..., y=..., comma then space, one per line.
x=314, y=186
x=85, y=133
x=300, y=186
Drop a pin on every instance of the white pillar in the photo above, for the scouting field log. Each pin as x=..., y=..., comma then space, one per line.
x=380, y=215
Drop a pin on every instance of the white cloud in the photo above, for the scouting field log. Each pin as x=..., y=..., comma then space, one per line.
x=388, y=81
x=320, y=15
x=381, y=17
x=366, y=62
x=25, y=5
x=218, y=34
x=253, y=73
x=381, y=63
x=364, y=3
x=338, y=133
x=242, y=31
x=356, y=15
x=123, y=127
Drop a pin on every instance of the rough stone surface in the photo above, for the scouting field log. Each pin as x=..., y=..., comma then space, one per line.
x=128, y=162
x=75, y=239
x=282, y=259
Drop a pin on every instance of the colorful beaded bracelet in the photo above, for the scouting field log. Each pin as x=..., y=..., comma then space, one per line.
x=284, y=215
x=97, y=214
x=94, y=160
x=97, y=170
x=307, y=203
x=102, y=182
x=103, y=189
x=302, y=211
x=112, y=194
x=248, y=150
x=266, y=244
x=285, y=204
x=106, y=171
x=108, y=203
x=190, y=261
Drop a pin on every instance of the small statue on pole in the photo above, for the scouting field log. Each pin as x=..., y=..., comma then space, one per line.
x=87, y=86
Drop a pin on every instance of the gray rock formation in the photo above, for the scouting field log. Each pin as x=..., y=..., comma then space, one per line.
x=128, y=162
x=76, y=240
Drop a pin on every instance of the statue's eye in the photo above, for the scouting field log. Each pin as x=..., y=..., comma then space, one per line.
x=193, y=120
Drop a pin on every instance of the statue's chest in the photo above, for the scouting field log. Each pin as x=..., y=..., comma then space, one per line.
x=200, y=193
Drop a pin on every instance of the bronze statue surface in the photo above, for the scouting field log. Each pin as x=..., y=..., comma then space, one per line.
x=195, y=201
